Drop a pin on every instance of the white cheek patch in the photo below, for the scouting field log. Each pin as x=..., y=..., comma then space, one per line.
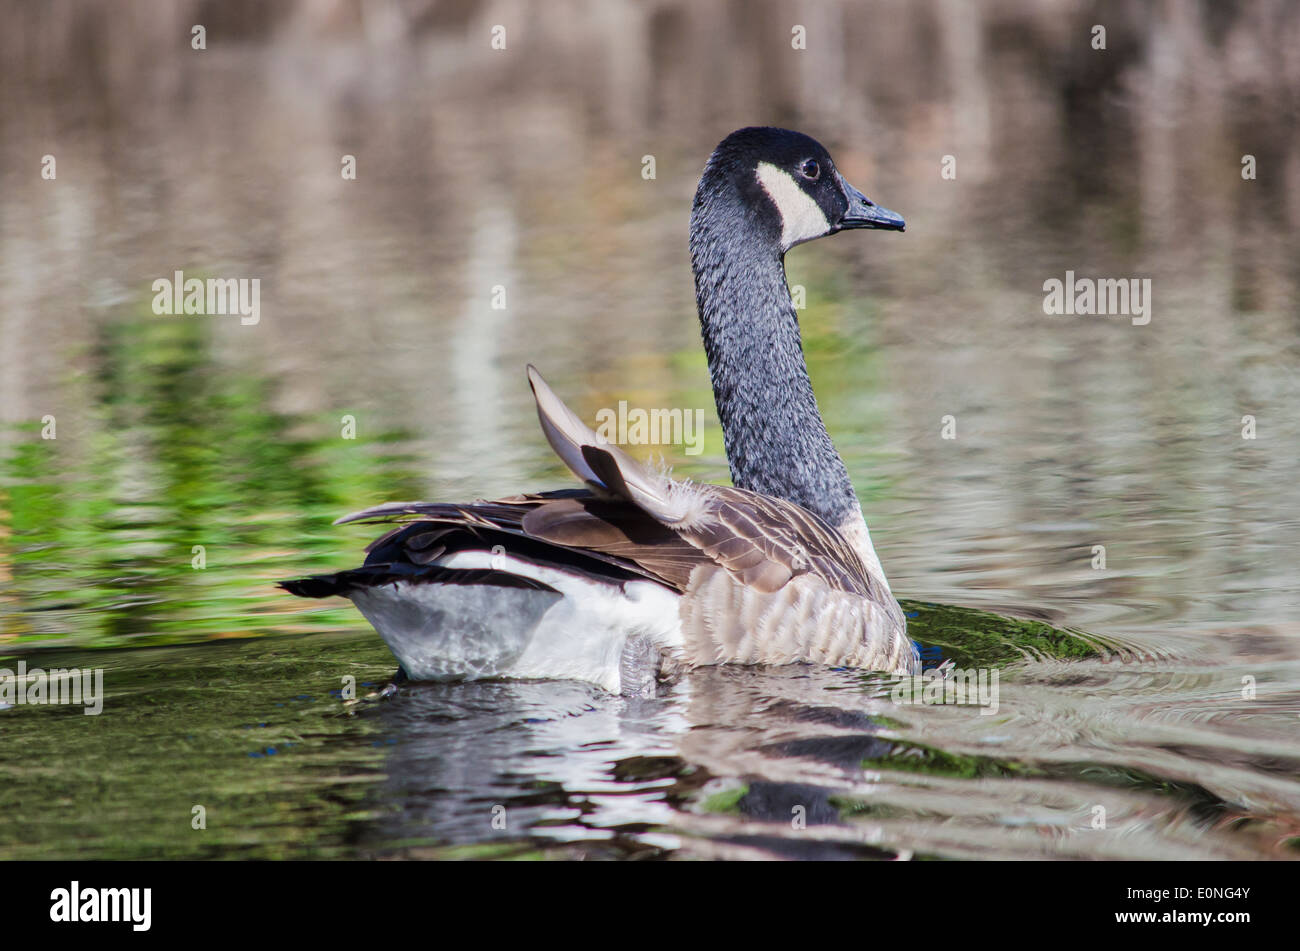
x=801, y=218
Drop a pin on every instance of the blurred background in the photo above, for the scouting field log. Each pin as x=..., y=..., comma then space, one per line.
x=521, y=168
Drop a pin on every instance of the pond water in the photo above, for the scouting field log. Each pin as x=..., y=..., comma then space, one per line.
x=1148, y=698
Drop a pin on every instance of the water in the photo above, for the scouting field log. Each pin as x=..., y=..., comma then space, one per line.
x=1176, y=713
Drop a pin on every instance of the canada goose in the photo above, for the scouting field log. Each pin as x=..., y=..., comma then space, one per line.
x=641, y=575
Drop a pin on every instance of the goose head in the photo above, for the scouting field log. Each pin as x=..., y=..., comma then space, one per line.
x=764, y=191
x=782, y=186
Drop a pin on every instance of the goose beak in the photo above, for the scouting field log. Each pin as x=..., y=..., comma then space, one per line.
x=865, y=213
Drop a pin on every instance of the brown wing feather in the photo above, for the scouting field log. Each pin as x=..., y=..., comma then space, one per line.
x=642, y=521
x=589, y=524
x=761, y=540
x=766, y=542
x=617, y=529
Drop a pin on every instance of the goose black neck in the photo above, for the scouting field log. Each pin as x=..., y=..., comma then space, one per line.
x=775, y=438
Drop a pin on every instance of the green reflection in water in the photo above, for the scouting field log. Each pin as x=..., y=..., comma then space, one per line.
x=261, y=739
x=973, y=639
x=100, y=525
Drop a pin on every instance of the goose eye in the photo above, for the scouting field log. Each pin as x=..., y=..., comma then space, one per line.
x=810, y=169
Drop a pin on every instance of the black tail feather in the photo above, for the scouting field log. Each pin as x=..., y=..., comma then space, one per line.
x=370, y=576
x=317, y=586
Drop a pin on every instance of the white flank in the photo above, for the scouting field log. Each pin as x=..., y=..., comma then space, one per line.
x=467, y=632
